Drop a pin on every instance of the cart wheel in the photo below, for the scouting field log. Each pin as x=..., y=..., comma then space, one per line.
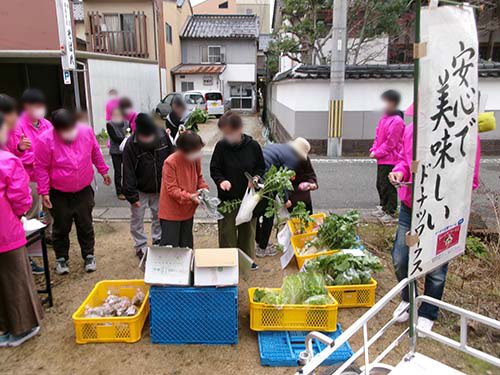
x=351, y=370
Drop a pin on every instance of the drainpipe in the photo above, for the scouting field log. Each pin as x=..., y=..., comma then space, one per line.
x=88, y=96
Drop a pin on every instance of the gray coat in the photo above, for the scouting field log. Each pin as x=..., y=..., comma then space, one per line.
x=117, y=133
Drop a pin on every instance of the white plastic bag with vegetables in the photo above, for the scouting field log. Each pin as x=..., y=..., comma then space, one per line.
x=248, y=204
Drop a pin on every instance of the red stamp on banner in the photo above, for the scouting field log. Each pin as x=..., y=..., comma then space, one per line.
x=448, y=239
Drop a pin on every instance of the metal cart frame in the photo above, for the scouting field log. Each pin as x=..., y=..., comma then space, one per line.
x=376, y=366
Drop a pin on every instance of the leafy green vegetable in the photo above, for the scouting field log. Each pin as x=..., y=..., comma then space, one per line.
x=344, y=268
x=297, y=289
x=227, y=207
x=197, y=116
x=300, y=213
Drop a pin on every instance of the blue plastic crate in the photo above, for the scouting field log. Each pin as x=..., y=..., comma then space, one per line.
x=186, y=315
x=282, y=349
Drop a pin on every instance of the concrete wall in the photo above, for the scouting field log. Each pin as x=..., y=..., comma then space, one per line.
x=127, y=6
x=242, y=51
x=176, y=17
x=28, y=25
x=212, y=7
x=300, y=108
x=138, y=81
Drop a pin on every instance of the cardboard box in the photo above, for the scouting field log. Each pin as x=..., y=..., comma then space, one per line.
x=168, y=266
x=216, y=267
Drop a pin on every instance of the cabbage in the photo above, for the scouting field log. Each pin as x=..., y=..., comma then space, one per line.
x=318, y=300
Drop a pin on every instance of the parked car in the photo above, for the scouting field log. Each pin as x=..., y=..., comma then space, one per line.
x=215, y=103
x=193, y=99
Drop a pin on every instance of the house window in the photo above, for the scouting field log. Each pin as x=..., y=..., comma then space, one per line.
x=208, y=81
x=224, y=5
x=187, y=86
x=168, y=33
x=241, y=96
x=212, y=54
x=249, y=11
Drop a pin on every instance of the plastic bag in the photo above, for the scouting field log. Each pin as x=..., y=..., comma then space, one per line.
x=248, y=204
x=122, y=145
x=210, y=204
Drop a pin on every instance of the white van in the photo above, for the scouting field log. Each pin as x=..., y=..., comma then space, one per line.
x=214, y=102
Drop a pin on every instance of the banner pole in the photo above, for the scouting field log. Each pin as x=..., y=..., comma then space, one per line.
x=416, y=76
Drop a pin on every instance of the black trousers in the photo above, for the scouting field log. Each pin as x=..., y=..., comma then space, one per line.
x=263, y=230
x=66, y=209
x=386, y=191
x=177, y=233
x=117, y=167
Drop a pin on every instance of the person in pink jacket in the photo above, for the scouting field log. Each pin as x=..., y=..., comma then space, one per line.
x=435, y=280
x=385, y=150
x=112, y=103
x=65, y=157
x=30, y=125
x=21, y=311
x=16, y=143
x=127, y=108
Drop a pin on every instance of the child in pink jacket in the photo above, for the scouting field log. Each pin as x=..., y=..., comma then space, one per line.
x=385, y=150
x=435, y=280
x=65, y=157
x=20, y=312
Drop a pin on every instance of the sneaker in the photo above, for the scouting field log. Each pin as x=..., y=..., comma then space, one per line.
x=36, y=269
x=139, y=253
x=401, y=312
x=90, y=264
x=271, y=250
x=156, y=242
x=62, y=267
x=260, y=252
x=378, y=212
x=387, y=219
x=425, y=325
x=18, y=340
x=4, y=339
x=255, y=267
x=121, y=197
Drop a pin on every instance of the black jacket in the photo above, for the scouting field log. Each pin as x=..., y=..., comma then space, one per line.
x=230, y=162
x=117, y=133
x=173, y=122
x=142, y=168
x=303, y=173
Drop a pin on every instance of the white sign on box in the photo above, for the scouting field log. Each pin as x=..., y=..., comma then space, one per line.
x=216, y=267
x=446, y=137
x=168, y=266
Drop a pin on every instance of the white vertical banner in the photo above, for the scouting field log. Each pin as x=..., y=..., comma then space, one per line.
x=65, y=29
x=446, y=137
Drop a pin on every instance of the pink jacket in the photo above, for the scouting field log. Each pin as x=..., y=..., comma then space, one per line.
x=24, y=126
x=131, y=119
x=13, y=140
x=15, y=200
x=404, y=165
x=110, y=105
x=66, y=166
x=388, y=139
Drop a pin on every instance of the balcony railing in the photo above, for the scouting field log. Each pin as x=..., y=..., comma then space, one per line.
x=131, y=42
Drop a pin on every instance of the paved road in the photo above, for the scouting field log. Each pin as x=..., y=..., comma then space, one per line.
x=344, y=183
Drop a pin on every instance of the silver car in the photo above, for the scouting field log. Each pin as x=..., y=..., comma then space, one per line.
x=193, y=99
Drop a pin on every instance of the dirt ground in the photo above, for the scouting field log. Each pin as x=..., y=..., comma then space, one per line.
x=55, y=352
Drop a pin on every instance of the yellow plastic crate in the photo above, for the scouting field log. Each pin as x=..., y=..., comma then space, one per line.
x=111, y=329
x=294, y=224
x=354, y=295
x=298, y=242
x=264, y=317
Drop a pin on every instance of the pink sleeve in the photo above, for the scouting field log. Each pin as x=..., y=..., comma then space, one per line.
x=97, y=158
x=475, y=181
x=13, y=142
x=394, y=133
x=18, y=191
x=43, y=156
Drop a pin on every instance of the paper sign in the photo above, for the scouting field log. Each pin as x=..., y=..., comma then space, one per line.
x=446, y=137
x=287, y=256
x=284, y=236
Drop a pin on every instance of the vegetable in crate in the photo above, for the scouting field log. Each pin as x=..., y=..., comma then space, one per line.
x=345, y=268
x=115, y=305
x=297, y=289
x=300, y=213
x=336, y=233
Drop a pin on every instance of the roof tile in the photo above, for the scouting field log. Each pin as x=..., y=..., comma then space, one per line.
x=221, y=26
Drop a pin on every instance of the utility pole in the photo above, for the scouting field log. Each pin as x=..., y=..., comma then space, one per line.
x=337, y=78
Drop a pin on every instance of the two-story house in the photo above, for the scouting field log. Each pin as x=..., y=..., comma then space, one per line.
x=219, y=52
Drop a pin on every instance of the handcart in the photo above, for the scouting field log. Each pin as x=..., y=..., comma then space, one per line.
x=413, y=363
